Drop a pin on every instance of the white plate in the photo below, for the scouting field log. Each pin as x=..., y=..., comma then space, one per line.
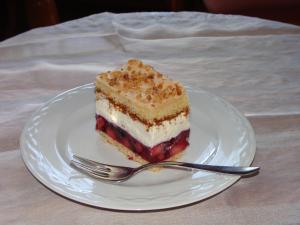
x=66, y=125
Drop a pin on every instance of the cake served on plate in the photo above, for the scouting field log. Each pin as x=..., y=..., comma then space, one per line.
x=143, y=113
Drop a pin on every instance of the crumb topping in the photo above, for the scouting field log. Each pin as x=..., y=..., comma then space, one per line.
x=142, y=82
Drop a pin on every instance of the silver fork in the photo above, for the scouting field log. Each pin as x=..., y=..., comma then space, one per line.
x=121, y=173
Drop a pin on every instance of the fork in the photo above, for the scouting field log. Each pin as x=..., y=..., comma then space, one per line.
x=121, y=173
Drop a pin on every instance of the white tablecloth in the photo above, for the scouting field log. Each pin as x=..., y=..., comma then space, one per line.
x=252, y=63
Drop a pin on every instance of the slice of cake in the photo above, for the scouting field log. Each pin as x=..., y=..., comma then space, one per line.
x=142, y=112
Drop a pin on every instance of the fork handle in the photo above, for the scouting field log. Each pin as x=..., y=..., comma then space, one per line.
x=239, y=170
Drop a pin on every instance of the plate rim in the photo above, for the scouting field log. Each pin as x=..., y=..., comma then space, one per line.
x=65, y=194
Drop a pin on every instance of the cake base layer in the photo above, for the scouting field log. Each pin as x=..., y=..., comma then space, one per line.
x=160, y=152
x=133, y=156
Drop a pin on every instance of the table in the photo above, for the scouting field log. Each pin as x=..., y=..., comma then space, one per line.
x=252, y=63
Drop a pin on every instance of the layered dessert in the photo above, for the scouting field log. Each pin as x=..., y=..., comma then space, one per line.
x=142, y=112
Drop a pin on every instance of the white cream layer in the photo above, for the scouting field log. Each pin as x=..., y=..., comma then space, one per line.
x=151, y=137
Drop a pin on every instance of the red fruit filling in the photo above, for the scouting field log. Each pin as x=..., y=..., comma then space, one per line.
x=157, y=153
